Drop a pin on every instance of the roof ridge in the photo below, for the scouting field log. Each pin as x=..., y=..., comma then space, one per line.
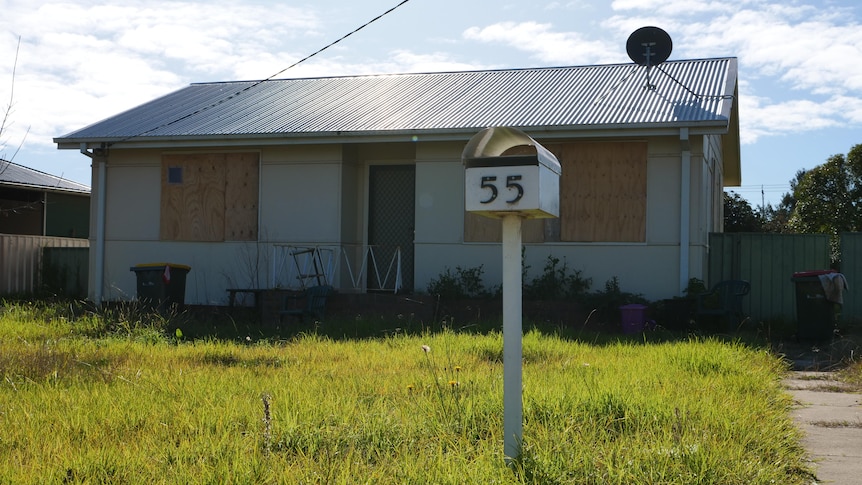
x=467, y=71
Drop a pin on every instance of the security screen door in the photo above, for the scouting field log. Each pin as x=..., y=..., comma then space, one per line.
x=391, y=221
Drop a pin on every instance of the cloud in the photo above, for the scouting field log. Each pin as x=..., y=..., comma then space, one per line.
x=82, y=62
x=542, y=42
x=805, y=52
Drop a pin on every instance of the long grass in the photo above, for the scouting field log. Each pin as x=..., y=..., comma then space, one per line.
x=82, y=406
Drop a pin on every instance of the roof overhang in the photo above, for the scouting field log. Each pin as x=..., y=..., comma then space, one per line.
x=43, y=188
x=454, y=134
x=732, y=168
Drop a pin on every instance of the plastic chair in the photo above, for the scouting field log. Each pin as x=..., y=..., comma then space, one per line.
x=725, y=301
x=314, y=299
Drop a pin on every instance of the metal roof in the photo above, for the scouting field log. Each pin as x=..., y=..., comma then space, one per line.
x=15, y=175
x=681, y=93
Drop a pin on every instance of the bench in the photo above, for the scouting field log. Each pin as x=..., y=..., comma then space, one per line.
x=231, y=301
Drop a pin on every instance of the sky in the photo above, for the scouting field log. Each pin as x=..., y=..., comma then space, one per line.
x=79, y=62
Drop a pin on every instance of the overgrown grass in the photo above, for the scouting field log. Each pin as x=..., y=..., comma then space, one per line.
x=85, y=401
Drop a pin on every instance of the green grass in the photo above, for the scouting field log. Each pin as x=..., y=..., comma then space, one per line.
x=92, y=399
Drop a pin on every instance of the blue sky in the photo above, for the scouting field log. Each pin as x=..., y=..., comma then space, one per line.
x=83, y=61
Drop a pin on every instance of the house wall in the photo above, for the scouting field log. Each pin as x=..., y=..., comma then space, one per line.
x=67, y=215
x=317, y=195
x=650, y=268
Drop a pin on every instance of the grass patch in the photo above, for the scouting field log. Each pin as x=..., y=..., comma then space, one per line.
x=83, y=401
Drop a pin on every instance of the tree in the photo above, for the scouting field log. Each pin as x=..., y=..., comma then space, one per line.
x=828, y=198
x=6, y=120
x=777, y=218
x=739, y=216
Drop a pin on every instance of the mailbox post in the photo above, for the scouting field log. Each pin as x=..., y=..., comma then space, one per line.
x=511, y=177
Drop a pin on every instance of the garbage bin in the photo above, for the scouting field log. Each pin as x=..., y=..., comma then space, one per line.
x=633, y=317
x=161, y=285
x=815, y=313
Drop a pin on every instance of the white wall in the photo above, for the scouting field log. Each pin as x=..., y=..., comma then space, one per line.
x=308, y=191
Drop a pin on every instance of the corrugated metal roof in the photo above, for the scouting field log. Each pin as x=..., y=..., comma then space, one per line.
x=13, y=174
x=681, y=92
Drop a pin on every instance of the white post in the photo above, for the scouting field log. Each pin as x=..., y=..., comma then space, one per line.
x=101, y=204
x=684, y=210
x=512, y=333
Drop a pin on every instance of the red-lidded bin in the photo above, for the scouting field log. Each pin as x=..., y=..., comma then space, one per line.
x=815, y=314
x=161, y=285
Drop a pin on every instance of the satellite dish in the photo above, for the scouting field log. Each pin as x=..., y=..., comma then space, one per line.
x=649, y=46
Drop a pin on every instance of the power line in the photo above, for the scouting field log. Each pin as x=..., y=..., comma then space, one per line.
x=366, y=24
x=258, y=83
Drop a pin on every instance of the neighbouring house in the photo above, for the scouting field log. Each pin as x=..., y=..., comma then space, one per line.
x=39, y=204
x=274, y=183
x=44, y=226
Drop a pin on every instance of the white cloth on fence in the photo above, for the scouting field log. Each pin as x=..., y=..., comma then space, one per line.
x=834, y=285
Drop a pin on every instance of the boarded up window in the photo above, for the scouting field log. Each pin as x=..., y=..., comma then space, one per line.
x=209, y=197
x=602, y=191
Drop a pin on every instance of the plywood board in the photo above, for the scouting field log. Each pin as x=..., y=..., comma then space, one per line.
x=241, y=196
x=602, y=191
x=194, y=208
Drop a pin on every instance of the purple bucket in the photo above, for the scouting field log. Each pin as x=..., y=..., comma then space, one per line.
x=633, y=318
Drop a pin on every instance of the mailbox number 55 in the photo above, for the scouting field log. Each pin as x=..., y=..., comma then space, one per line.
x=512, y=182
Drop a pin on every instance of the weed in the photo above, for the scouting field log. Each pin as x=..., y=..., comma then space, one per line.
x=369, y=409
x=267, y=423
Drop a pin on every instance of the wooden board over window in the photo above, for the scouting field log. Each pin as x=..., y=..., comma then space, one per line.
x=602, y=191
x=209, y=197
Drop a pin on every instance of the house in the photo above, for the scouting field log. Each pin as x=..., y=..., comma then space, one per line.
x=39, y=204
x=240, y=179
x=44, y=226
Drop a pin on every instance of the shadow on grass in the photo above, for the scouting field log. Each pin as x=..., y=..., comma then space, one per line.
x=244, y=325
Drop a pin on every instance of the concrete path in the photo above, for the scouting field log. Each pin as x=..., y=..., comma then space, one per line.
x=830, y=416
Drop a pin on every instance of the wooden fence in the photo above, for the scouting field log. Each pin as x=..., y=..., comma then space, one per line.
x=22, y=261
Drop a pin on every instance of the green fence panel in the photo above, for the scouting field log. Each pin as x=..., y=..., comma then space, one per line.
x=65, y=271
x=767, y=261
x=851, y=267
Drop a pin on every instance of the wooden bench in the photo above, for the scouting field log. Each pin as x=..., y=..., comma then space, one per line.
x=254, y=291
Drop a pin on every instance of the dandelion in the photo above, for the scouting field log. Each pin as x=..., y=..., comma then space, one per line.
x=457, y=368
x=454, y=383
x=426, y=349
x=409, y=387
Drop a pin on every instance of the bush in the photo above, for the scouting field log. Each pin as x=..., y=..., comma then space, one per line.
x=464, y=283
x=607, y=302
x=557, y=283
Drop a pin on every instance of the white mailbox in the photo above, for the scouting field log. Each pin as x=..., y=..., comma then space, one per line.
x=509, y=172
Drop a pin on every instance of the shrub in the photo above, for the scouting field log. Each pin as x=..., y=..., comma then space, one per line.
x=557, y=283
x=464, y=283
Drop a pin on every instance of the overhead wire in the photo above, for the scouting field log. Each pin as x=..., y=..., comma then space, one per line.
x=269, y=78
x=696, y=95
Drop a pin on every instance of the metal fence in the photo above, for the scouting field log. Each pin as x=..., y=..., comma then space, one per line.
x=767, y=261
x=21, y=260
x=851, y=267
x=349, y=267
